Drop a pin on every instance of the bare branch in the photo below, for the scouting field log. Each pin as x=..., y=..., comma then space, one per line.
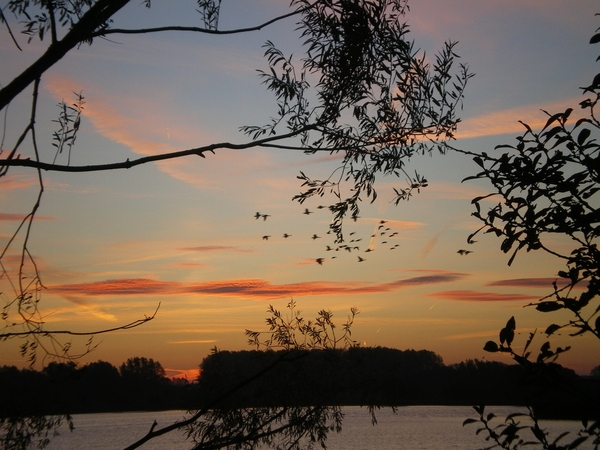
x=12, y=36
x=95, y=18
x=135, y=323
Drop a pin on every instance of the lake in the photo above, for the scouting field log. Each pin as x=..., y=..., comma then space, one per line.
x=412, y=427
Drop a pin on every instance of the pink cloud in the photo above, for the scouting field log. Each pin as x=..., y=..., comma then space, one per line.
x=13, y=182
x=475, y=296
x=136, y=124
x=246, y=288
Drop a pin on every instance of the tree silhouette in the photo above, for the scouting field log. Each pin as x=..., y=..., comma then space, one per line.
x=216, y=424
x=548, y=184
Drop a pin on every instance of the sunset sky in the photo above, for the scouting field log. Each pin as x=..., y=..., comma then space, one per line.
x=113, y=246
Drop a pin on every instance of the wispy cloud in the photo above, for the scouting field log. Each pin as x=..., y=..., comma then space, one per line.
x=12, y=182
x=432, y=243
x=246, y=288
x=217, y=248
x=137, y=125
x=476, y=296
x=394, y=224
x=531, y=282
x=92, y=308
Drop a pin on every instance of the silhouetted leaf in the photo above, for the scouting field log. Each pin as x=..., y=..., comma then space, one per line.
x=552, y=132
x=583, y=135
x=594, y=426
x=552, y=119
x=577, y=442
x=468, y=421
x=548, y=306
x=511, y=324
x=491, y=346
x=552, y=329
x=560, y=436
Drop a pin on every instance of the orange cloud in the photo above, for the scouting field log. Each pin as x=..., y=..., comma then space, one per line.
x=507, y=121
x=309, y=261
x=217, y=248
x=188, y=374
x=474, y=335
x=124, y=286
x=395, y=224
x=246, y=288
x=188, y=265
x=474, y=296
x=8, y=217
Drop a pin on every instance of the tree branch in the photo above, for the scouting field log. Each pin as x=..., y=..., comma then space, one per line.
x=135, y=323
x=12, y=36
x=197, y=29
x=95, y=18
x=213, y=404
x=28, y=162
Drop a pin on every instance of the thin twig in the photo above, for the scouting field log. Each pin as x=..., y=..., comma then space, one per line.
x=133, y=324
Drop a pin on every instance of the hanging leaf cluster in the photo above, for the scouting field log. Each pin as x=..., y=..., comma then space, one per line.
x=548, y=185
x=364, y=92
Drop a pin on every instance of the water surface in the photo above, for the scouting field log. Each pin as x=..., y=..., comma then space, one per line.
x=412, y=427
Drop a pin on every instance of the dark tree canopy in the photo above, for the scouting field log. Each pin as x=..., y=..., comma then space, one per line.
x=548, y=185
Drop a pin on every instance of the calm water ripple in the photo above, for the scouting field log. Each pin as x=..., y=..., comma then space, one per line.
x=412, y=427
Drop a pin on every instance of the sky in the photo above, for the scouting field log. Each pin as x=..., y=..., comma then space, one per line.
x=111, y=247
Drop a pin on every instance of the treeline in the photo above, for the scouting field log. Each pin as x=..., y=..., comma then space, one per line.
x=139, y=384
x=385, y=376
x=355, y=376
